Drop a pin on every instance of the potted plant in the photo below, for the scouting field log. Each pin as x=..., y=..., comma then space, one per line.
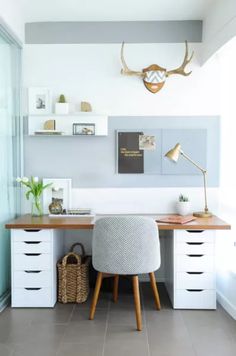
x=183, y=205
x=35, y=188
x=62, y=107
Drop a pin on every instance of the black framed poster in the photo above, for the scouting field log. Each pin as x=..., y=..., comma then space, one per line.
x=130, y=157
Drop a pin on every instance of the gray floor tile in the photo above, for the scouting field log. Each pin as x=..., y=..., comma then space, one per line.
x=59, y=315
x=18, y=333
x=35, y=349
x=75, y=349
x=103, y=301
x=164, y=319
x=38, y=333
x=211, y=341
x=123, y=317
x=122, y=333
x=65, y=330
x=89, y=331
x=126, y=348
x=169, y=343
x=6, y=350
x=5, y=331
x=17, y=315
x=82, y=315
x=125, y=301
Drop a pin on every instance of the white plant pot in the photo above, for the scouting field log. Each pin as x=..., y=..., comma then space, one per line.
x=62, y=108
x=183, y=207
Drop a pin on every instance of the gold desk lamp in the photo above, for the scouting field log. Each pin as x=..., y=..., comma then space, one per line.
x=173, y=155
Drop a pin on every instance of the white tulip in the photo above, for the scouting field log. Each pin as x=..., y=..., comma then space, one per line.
x=18, y=179
x=36, y=179
x=25, y=180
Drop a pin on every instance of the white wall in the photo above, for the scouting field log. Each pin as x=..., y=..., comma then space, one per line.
x=219, y=27
x=12, y=13
x=226, y=248
x=92, y=73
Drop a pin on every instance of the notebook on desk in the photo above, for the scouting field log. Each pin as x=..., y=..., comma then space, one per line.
x=177, y=219
x=74, y=213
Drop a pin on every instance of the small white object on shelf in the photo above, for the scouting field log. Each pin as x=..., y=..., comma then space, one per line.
x=62, y=108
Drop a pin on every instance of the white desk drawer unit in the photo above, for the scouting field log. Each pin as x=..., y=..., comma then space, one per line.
x=28, y=278
x=195, y=299
x=32, y=235
x=195, y=280
x=34, y=257
x=32, y=297
x=194, y=269
x=32, y=247
x=31, y=261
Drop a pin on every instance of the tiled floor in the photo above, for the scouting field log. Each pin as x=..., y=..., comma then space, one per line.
x=66, y=330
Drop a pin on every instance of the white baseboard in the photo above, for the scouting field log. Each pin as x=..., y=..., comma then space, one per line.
x=5, y=300
x=226, y=304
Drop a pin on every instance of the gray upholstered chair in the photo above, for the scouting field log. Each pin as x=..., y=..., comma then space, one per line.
x=125, y=245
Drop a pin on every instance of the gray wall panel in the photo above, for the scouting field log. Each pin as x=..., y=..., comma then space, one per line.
x=91, y=161
x=113, y=32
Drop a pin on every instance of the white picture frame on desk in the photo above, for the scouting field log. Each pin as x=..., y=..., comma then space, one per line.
x=39, y=101
x=58, y=184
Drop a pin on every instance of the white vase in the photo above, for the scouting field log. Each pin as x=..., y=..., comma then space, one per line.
x=183, y=207
x=62, y=108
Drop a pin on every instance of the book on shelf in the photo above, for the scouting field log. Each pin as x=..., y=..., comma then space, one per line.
x=176, y=219
x=48, y=132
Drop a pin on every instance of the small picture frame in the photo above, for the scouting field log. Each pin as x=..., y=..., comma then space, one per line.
x=86, y=129
x=60, y=189
x=39, y=101
x=147, y=142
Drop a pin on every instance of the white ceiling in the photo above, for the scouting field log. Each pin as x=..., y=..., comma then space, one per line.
x=114, y=10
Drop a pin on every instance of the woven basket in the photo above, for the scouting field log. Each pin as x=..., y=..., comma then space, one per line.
x=73, y=276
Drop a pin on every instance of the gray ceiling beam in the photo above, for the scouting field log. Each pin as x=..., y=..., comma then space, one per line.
x=113, y=32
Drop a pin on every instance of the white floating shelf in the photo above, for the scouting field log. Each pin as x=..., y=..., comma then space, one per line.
x=64, y=123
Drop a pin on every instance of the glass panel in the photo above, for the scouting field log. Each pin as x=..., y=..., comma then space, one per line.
x=9, y=149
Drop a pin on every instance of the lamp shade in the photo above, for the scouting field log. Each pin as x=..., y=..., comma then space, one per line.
x=173, y=154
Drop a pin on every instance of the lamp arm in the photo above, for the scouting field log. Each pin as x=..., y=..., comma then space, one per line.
x=204, y=172
x=194, y=163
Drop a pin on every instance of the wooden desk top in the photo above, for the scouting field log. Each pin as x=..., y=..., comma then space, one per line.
x=77, y=223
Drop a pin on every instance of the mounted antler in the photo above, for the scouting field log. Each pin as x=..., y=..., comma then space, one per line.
x=181, y=69
x=125, y=70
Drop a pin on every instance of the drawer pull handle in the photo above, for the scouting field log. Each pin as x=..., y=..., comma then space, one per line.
x=32, y=288
x=195, y=243
x=32, y=230
x=195, y=272
x=195, y=255
x=194, y=290
x=32, y=254
x=195, y=231
x=33, y=271
x=32, y=242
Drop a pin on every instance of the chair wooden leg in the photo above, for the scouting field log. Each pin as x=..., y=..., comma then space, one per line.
x=155, y=290
x=137, y=302
x=115, y=288
x=95, y=295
